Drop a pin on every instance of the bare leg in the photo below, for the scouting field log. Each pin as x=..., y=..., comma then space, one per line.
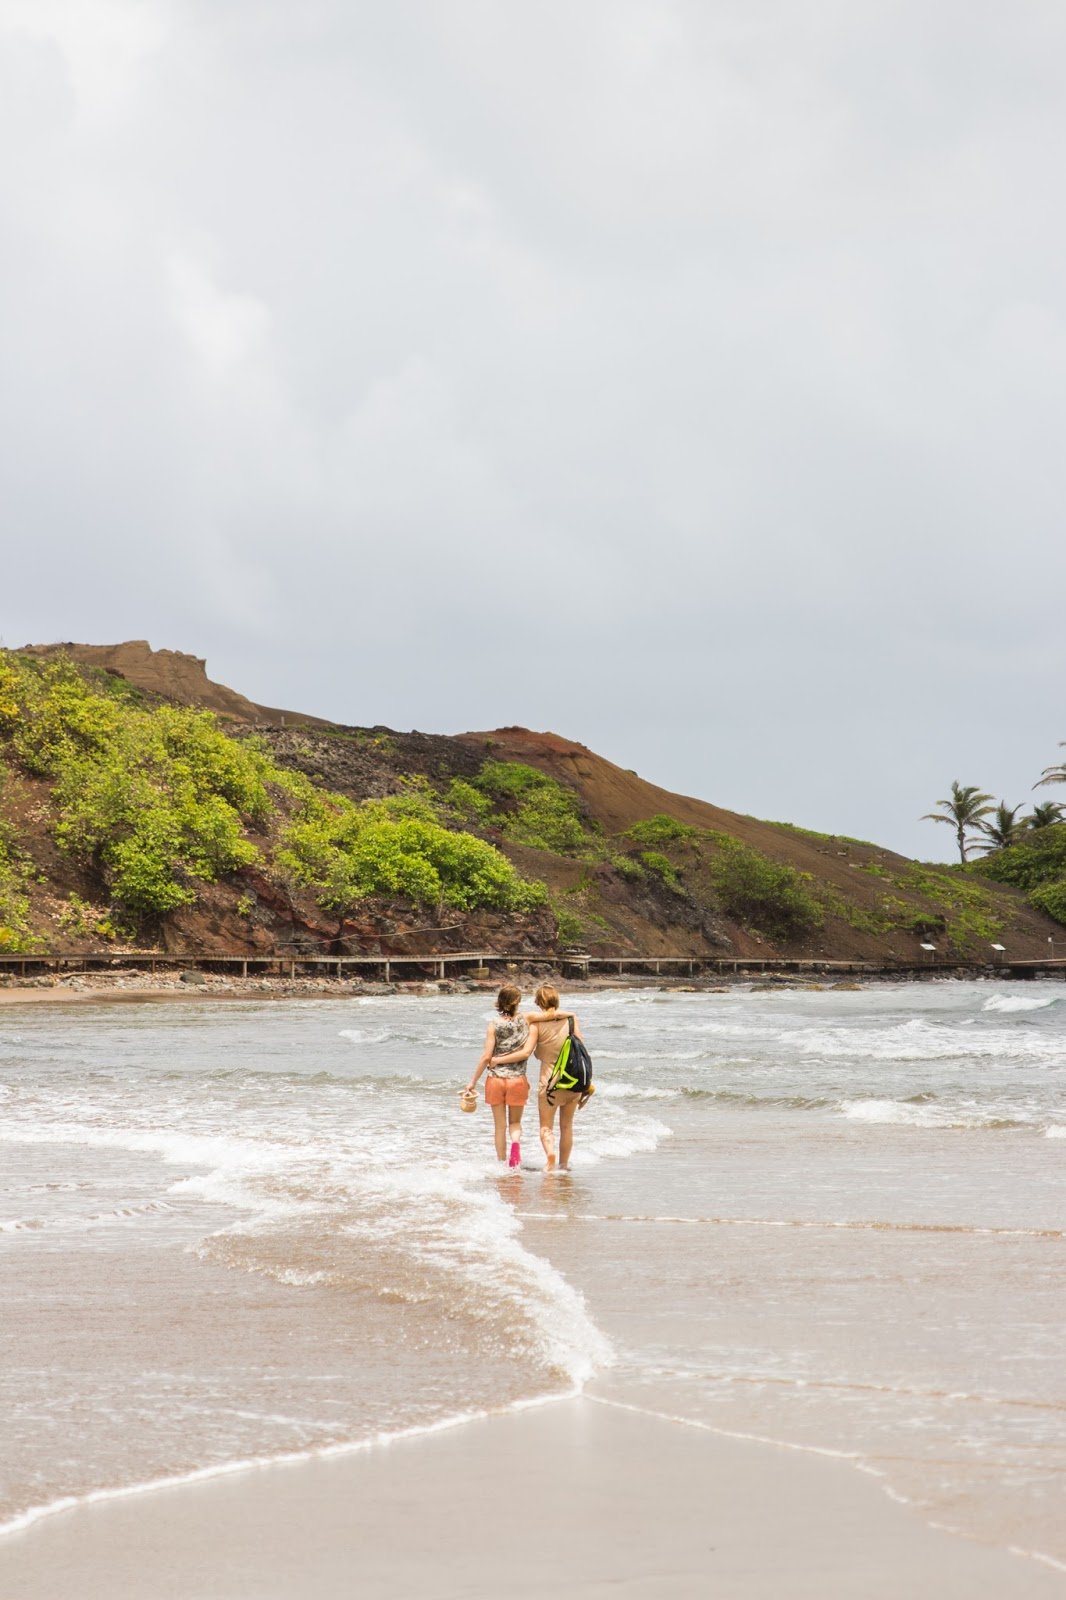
x=547, y=1131
x=499, y=1129
x=566, y=1132
x=514, y=1124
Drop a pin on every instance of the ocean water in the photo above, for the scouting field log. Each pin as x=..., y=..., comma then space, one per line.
x=235, y=1232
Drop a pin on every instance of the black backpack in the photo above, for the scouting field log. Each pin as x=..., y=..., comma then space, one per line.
x=572, y=1069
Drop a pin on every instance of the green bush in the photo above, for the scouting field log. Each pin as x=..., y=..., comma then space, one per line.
x=160, y=800
x=532, y=808
x=659, y=830
x=1038, y=858
x=1050, y=898
x=347, y=853
x=79, y=917
x=155, y=797
x=569, y=927
x=656, y=862
x=15, y=935
x=466, y=802
x=761, y=893
x=627, y=866
x=15, y=869
x=510, y=780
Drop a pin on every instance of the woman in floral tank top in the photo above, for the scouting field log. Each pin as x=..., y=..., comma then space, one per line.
x=507, y=1086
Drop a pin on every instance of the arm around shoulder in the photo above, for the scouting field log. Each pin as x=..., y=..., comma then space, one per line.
x=523, y=1052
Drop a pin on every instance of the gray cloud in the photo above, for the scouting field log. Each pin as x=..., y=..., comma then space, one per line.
x=687, y=379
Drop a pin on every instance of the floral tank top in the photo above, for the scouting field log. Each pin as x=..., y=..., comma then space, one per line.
x=511, y=1034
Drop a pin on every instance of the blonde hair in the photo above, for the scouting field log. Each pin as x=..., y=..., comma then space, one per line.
x=547, y=997
x=507, y=999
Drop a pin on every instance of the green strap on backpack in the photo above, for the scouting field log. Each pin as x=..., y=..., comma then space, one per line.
x=572, y=1069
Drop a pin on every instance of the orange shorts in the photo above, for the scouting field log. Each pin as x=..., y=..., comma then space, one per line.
x=506, y=1091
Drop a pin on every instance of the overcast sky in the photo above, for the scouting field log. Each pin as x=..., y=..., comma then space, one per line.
x=687, y=378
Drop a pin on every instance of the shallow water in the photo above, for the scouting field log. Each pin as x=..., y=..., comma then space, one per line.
x=231, y=1232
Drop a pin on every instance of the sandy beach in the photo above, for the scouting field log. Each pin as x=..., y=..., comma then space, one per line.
x=575, y=1497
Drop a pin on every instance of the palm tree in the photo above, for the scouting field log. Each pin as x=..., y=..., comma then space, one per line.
x=1004, y=828
x=1045, y=815
x=1053, y=774
x=963, y=812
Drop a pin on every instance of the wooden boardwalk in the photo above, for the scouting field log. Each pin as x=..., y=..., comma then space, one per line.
x=482, y=963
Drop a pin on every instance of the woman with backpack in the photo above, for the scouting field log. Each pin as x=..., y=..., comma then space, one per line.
x=507, y=1086
x=548, y=1030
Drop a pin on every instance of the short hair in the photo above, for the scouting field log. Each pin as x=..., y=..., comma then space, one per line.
x=547, y=997
x=507, y=999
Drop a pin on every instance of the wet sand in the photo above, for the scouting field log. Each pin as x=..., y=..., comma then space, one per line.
x=62, y=997
x=577, y=1498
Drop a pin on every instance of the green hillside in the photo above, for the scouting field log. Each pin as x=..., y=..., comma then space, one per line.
x=128, y=817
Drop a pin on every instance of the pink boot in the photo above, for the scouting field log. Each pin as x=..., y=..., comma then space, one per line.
x=516, y=1156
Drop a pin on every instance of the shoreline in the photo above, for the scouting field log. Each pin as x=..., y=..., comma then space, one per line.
x=105, y=988
x=133, y=985
x=581, y=1511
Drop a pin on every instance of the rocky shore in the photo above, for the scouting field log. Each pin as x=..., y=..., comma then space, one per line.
x=131, y=984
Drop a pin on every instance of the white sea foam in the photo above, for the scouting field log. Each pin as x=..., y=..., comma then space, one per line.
x=364, y=1035
x=442, y=1208
x=631, y=1137
x=1018, y=1002
x=446, y=1215
x=176, y=1149
x=651, y=1056
x=918, y=1040
x=1056, y=1131
x=888, y=1111
x=907, y=1113
x=631, y=1091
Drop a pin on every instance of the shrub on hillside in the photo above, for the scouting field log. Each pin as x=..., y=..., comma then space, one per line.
x=15, y=935
x=1038, y=857
x=155, y=798
x=1037, y=863
x=1050, y=898
x=347, y=853
x=663, y=868
x=466, y=802
x=659, y=830
x=533, y=808
x=761, y=893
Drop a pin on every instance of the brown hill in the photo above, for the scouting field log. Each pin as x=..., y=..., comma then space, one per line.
x=878, y=906
x=171, y=675
x=611, y=896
